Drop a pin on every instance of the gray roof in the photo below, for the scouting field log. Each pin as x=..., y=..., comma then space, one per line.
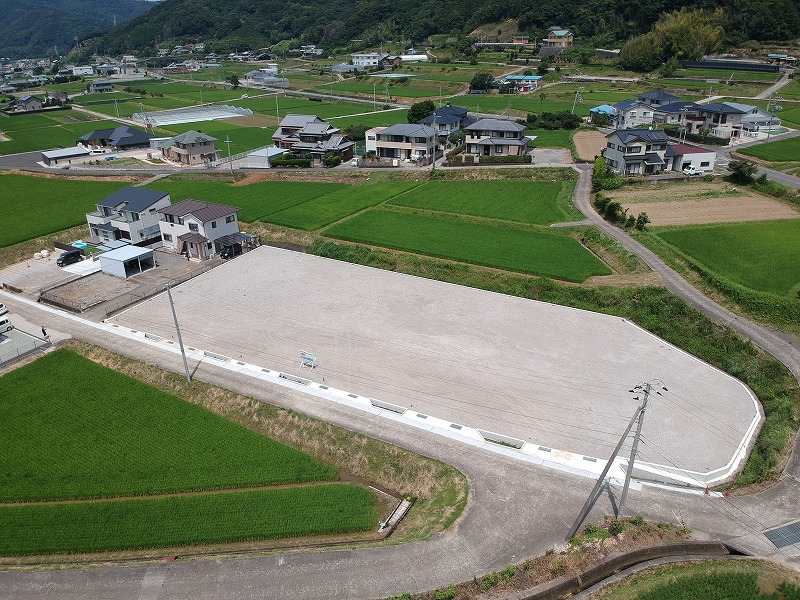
x=298, y=120
x=119, y=137
x=193, y=237
x=659, y=95
x=674, y=107
x=627, y=104
x=336, y=142
x=495, y=125
x=645, y=135
x=550, y=51
x=317, y=127
x=409, y=130
x=66, y=152
x=192, y=137
x=205, y=211
x=133, y=199
x=722, y=108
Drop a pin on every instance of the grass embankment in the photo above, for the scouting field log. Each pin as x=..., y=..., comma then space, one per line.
x=710, y=580
x=191, y=448
x=653, y=308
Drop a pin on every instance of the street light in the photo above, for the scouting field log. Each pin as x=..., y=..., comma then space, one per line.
x=228, y=141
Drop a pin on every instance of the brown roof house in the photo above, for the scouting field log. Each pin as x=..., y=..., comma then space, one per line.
x=199, y=229
x=191, y=148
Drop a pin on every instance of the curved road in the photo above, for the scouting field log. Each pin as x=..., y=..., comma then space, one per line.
x=516, y=510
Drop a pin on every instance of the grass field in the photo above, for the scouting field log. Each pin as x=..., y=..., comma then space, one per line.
x=779, y=151
x=522, y=250
x=75, y=429
x=324, y=210
x=761, y=256
x=39, y=132
x=256, y=200
x=524, y=201
x=547, y=138
x=711, y=580
x=185, y=520
x=36, y=206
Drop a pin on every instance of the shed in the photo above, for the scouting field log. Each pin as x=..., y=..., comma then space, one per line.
x=127, y=261
x=51, y=157
x=260, y=159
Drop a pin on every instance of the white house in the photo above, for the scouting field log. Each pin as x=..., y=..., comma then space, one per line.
x=405, y=141
x=687, y=155
x=649, y=152
x=631, y=113
x=130, y=213
x=369, y=59
x=197, y=228
x=82, y=71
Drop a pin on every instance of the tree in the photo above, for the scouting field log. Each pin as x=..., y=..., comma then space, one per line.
x=743, y=170
x=234, y=79
x=420, y=110
x=543, y=68
x=457, y=137
x=641, y=221
x=481, y=81
x=642, y=54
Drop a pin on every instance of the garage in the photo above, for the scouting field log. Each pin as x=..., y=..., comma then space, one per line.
x=127, y=261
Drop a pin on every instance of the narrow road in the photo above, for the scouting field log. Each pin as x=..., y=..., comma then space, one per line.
x=783, y=81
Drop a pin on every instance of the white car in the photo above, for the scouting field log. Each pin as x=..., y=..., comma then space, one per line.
x=692, y=170
x=3, y=309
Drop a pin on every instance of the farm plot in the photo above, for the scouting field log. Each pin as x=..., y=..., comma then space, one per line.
x=778, y=151
x=79, y=430
x=523, y=250
x=694, y=203
x=256, y=200
x=324, y=210
x=185, y=520
x=46, y=134
x=27, y=203
x=549, y=138
x=761, y=256
x=535, y=202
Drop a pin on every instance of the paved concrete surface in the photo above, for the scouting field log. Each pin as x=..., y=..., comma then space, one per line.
x=554, y=376
x=515, y=510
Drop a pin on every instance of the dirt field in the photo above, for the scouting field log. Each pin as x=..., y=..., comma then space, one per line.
x=589, y=144
x=698, y=203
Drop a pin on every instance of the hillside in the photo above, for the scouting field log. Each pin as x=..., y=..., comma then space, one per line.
x=337, y=23
x=33, y=28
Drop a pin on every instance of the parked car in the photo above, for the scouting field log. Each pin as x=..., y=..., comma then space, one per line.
x=3, y=309
x=111, y=158
x=231, y=250
x=5, y=325
x=692, y=170
x=69, y=257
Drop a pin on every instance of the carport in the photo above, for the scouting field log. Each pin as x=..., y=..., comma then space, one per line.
x=127, y=261
x=51, y=157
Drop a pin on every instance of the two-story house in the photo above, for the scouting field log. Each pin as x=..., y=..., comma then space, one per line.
x=656, y=98
x=366, y=60
x=732, y=120
x=196, y=228
x=308, y=136
x=28, y=103
x=636, y=151
x=558, y=37
x=405, y=141
x=191, y=148
x=286, y=134
x=628, y=114
x=682, y=114
x=495, y=137
x=447, y=119
x=130, y=213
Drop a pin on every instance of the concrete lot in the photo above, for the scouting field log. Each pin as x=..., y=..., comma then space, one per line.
x=550, y=375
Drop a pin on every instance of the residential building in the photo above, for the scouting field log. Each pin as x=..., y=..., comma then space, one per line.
x=682, y=114
x=198, y=229
x=631, y=113
x=310, y=51
x=636, y=151
x=106, y=70
x=495, y=137
x=558, y=37
x=405, y=141
x=680, y=156
x=58, y=96
x=657, y=98
x=28, y=103
x=286, y=134
x=191, y=148
x=100, y=86
x=522, y=83
x=130, y=213
x=308, y=136
x=734, y=120
x=86, y=70
x=123, y=137
x=389, y=61
x=448, y=119
x=368, y=59
x=267, y=76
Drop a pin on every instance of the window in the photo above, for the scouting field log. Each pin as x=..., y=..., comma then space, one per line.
x=230, y=218
x=499, y=149
x=633, y=114
x=420, y=140
x=213, y=224
x=134, y=216
x=167, y=237
x=633, y=150
x=180, y=220
x=193, y=227
x=511, y=134
x=208, y=245
x=610, y=145
x=705, y=163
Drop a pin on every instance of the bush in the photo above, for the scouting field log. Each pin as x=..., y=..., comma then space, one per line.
x=291, y=162
x=498, y=160
x=708, y=178
x=447, y=593
x=455, y=151
x=331, y=161
x=616, y=527
x=743, y=171
x=488, y=582
x=509, y=572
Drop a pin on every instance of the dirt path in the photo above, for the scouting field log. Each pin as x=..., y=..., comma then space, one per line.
x=589, y=144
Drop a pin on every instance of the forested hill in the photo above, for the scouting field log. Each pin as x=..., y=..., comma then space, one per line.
x=335, y=23
x=34, y=28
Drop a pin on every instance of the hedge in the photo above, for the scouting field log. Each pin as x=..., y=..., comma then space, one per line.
x=291, y=162
x=711, y=140
x=524, y=158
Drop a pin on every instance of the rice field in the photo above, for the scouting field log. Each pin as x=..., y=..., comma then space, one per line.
x=762, y=256
x=29, y=204
x=534, y=202
x=522, y=250
x=40, y=132
x=778, y=151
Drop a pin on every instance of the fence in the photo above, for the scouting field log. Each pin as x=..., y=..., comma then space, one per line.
x=227, y=159
x=21, y=352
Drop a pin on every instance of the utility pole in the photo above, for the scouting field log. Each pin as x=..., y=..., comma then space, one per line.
x=230, y=161
x=638, y=415
x=178, y=331
x=435, y=140
x=374, y=89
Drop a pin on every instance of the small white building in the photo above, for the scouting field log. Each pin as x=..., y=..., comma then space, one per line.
x=194, y=227
x=127, y=261
x=368, y=59
x=82, y=71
